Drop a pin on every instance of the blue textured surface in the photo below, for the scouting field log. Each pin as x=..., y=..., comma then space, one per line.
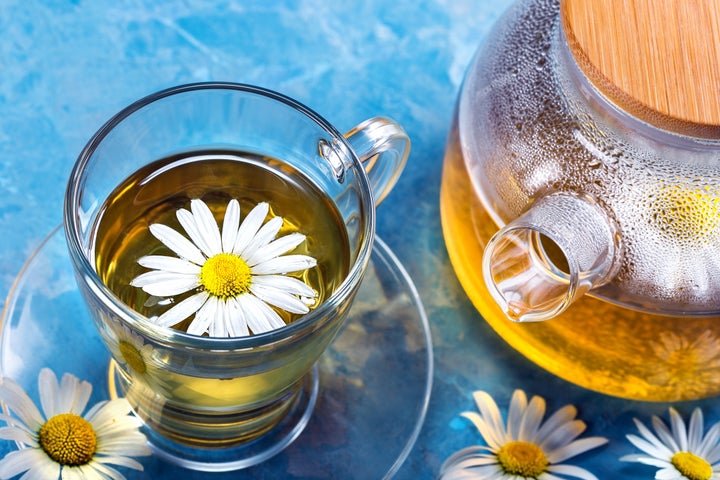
x=67, y=66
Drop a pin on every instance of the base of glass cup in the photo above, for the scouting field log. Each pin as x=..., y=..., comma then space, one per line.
x=235, y=457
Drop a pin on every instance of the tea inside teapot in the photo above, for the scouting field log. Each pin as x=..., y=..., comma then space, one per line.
x=607, y=202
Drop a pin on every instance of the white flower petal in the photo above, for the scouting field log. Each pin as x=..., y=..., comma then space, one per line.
x=165, y=284
x=93, y=469
x=669, y=473
x=217, y=328
x=283, y=265
x=216, y=325
x=565, y=415
x=713, y=454
x=16, y=423
x=649, y=448
x=135, y=446
x=278, y=298
x=470, y=463
x=203, y=317
x=169, y=264
x=544, y=476
x=49, y=390
x=45, y=469
x=468, y=457
x=104, y=414
x=695, y=431
x=231, y=223
x=291, y=285
x=20, y=404
x=656, y=445
x=259, y=316
x=182, y=310
x=660, y=447
x=518, y=404
x=25, y=459
x=73, y=473
x=563, y=435
x=274, y=248
x=491, y=413
x=710, y=443
x=465, y=461
x=678, y=429
x=492, y=436
x=128, y=442
x=73, y=396
x=121, y=461
x=575, y=448
x=18, y=435
x=197, y=237
x=238, y=326
x=250, y=226
x=263, y=237
x=206, y=224
x=645, y=460
x=532, y=418
x=183, y=247
x=125, y=435
x=228, y=311
x=666, y=438
x=94, y=410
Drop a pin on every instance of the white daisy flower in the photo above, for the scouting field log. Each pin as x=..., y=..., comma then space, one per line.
x=62, y=442
x=238, y=274
x=685, y=365
x=525, y=447
x=681, y=453
x=131, y=351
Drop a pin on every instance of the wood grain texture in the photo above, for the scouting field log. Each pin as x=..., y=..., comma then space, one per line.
x=659, y=59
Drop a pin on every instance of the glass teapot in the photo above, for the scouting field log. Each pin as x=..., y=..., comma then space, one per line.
x=580, y=197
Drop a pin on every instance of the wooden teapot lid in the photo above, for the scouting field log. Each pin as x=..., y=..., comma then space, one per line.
x=657, y=59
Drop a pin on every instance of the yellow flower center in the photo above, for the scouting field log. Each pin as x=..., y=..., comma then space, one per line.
x=524, y=459
x=132, y=356
x=225, y=276
x=68, y=439
x=692, y=466
x=687, y=215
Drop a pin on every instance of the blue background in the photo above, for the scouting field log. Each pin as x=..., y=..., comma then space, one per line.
x=67, y=66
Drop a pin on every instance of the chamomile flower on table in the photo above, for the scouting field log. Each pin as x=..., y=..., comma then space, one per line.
x=237, y=275
x=524, y=447
x=61, y=442
x=680, y=452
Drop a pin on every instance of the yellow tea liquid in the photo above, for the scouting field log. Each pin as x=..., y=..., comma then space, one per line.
x=595, y=344
x=165, y=387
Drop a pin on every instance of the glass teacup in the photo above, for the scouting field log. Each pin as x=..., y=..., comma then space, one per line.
x=212, y=401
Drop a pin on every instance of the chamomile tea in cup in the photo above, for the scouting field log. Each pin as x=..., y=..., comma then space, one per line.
x=219, y=233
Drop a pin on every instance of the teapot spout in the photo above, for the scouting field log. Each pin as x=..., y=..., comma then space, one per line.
x=560, y=248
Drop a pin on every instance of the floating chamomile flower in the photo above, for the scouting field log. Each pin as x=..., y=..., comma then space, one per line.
x=62, y=442
x=525, y=447
x=238, y=274
x=681, y=453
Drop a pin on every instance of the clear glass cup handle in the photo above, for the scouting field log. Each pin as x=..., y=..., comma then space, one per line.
x=383, y=147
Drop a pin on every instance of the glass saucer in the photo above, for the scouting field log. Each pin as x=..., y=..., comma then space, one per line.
x=375, y=379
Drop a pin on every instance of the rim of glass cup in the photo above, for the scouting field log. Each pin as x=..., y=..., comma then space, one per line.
x=178, y=337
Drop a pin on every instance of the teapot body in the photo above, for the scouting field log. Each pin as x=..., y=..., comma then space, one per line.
x=529, y=126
